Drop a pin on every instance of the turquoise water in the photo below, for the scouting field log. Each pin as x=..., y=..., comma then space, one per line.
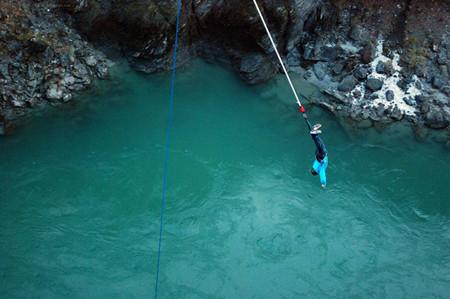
x=80, y=195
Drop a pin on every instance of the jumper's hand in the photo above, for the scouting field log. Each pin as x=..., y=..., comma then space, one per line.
x=305, y=116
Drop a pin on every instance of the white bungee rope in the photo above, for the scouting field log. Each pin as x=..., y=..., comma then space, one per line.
x=278, y=54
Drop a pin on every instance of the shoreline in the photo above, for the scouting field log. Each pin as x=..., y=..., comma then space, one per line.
x=366, y=79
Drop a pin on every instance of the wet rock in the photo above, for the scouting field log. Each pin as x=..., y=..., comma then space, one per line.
x=307, y=75
x=256, y=68
x=381, y=67
x=390, y=95
x=410, y=101
x=2, y=129
x=320, y=69
x=347, y=84
x=435, y=118
x=67, y=97
x=421, y=133
x=337, y=68
x=102, y=71
x=374, y=84
x=397, y=114
x=361, y=72
x=365, y=124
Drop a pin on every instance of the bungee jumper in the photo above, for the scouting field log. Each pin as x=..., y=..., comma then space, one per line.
x=320, y=163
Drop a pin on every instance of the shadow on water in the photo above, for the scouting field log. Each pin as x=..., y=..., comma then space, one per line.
x=80, y=195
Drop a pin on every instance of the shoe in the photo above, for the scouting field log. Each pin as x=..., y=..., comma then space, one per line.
x=315, y=132
x=317, y=126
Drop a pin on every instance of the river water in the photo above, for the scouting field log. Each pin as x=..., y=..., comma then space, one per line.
x=80, y=197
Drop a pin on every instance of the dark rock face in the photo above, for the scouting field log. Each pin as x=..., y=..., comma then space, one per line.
x=45, y=57
x=42, y=59
x=256, y=69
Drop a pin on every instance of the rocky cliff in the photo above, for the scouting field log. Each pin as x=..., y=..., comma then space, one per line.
x=378, y=61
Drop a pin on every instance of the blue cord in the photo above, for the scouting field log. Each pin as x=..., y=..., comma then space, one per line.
x=166, y=156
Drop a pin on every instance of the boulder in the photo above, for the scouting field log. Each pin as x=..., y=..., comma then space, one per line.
x=437, y=82
x=347, y=84
x=397, y=114
x=381, y=67
x=361, y=72
x=91, y=60
x=435, y=118
x=320, y=69
x=54, y=92
x=374, y=84
x=446, y=90
x=367, y=54
x=390, y=95
x=337, y=68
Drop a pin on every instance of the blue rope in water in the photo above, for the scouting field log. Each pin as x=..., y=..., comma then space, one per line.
x=167, y=147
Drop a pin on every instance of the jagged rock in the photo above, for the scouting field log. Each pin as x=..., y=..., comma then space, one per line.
x=54, y=92
x=397, y=114
x=437, y=83
x=367, y=54
x=435, y=118
x=374, y=84
x=359, y=34
x=338, y=68
x=4, y=71
x=419, y=99
x=256, y=68
x=410, y=101
x=361, y=72
x=446, y=90
x=390, y=95
x=320, y=69
x=91, y=60
x=308, y=52
x=307, y=75
x=327, y=53
x=442, y=57
x=69, y=79
x=347, y=84
x=102, y=71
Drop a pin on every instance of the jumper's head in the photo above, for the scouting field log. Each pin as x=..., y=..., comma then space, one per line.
x=313, y=172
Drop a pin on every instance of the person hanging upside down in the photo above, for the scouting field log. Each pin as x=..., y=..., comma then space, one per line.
x=320, y=164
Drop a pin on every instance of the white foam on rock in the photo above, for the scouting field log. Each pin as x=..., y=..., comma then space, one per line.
x=389, y=83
